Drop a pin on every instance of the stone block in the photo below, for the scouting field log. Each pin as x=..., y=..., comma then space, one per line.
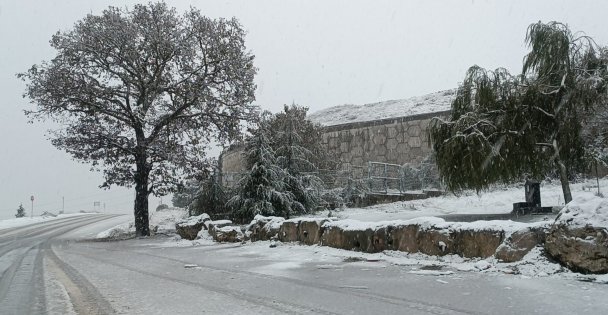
x=518, y=244
x=289, y=231
x=310, y=231
x=414, y=142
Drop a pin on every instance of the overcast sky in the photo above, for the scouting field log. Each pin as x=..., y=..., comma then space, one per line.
x=314, y=53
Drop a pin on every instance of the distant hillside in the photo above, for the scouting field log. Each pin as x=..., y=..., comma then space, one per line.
x=342, y=114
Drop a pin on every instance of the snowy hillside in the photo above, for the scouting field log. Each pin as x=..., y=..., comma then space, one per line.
x=341, y=114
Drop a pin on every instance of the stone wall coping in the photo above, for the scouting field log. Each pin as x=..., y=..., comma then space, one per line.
x=386, y=121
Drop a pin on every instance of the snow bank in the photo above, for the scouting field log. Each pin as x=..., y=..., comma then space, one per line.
x=342, y=114
x=162, y=222
x=17, y=222
x=585, y=210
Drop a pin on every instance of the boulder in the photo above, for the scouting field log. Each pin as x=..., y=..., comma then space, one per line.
x=288, y=232
x=348, y=238
x=310, y=230
x=519, y=243
x=476, y=243
x=189, y=228
x=579, y=237
x=212, y=226
x=437, y=242
x=403, y=238
x=228, y=234
x=264, y=228
x=582, y=249
x=380, y=239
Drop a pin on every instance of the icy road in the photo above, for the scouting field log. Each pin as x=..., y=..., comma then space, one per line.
x=50, y=268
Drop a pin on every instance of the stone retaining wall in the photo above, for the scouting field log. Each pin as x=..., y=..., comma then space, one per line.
x=396, y=140
x=431, y=236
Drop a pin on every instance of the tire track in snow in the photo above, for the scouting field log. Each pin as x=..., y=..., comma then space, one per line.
x=404, y=302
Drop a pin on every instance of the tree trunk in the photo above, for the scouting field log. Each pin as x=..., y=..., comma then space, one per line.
x=563, y=177
x=142, y=225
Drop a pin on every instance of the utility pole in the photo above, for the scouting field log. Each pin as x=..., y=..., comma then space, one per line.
x=32, y=199
x=62, y=204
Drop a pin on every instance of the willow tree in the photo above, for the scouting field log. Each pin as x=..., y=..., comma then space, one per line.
x=141, y=93
x=504, y=127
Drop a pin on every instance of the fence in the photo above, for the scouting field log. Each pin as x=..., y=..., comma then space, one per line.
x=377, y=177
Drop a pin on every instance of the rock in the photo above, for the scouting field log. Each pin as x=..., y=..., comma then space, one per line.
x=228, y=234
x=436, y=242
x=349, y=239
x=212, y=226
x=288, y=232
x=582, y=249
x=403, y=238
x=189, y=228
x=264, y=228
x=476, y=243
x=518, y=244
x=380, y=239
x=310, y=230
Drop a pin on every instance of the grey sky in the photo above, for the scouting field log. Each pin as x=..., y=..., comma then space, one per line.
x=315, y=53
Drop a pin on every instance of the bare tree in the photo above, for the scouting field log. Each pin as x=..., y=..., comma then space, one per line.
x=141, y=93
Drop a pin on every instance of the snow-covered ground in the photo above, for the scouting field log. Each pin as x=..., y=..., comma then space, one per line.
x=17, y=222
x=342, y=114
x=161, y=222
x=499, y=200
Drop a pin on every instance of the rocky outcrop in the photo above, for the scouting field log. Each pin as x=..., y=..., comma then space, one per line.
x=189, y=228
x=519, y=243
x=582, y=249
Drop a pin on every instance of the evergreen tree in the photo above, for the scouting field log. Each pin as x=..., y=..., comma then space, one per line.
x=210, y=197
x=503, y=127
x=20, y=212
x=295, y=155
x=262, y=190
x=186, y=193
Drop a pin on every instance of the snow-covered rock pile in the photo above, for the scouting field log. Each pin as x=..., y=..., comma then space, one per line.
x=189, y=228
x=579, y=236
x=342, y=114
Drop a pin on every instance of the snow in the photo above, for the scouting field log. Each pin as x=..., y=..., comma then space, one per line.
x=585, y=210
x=193, y=220
x=498, y=201
x=163, y=222
x=437, y=223
x=17, y=222
x=342, y=114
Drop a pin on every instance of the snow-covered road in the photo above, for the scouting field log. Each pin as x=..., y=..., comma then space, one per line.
x=48, y=272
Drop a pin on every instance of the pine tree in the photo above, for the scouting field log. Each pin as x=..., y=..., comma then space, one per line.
x=262, y=190
x=20, y=212
x=210, y=198
x=503, y=127
x=295, y=157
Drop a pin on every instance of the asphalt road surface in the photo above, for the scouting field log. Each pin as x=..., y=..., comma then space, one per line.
x=51, y=268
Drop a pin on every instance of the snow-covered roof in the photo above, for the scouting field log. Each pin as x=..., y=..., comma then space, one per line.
x=342, y=114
